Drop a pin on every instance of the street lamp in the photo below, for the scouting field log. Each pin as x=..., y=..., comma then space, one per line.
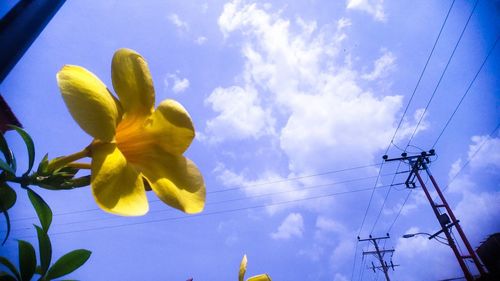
x=410, y=235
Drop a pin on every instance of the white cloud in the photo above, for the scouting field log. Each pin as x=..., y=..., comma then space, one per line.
x=373, y=7
x=314, y=253
x=483, y=156
x=478, y=214
x=295, y=75
x=201, y=40
x=292, y=226
x=340, y=277
x=179, y=84
x=177, y=21
x=329, y=225
x=486, y=150
x=455, y=169
x=419, y=247
x=240, y=115
x=382, y=66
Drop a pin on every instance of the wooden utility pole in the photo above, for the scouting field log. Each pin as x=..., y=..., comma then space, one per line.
x=379, y=254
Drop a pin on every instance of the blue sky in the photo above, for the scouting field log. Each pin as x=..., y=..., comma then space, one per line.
x=282, y=96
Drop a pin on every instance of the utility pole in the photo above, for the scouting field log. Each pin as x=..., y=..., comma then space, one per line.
x=442, y=210
x=380, y=255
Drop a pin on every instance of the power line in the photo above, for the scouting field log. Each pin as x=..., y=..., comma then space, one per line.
x=370, y=201
x=400, y=210
x=354, y=259
x=366, y=213
x=227, y=189
x=302, y=189
x=466, y=92
x=214, y=212
x=422, y=73
x=385, y=200
x=399, y=125
x=442, y=74
x=294, y=178
x=432, y=96
x=472, y=156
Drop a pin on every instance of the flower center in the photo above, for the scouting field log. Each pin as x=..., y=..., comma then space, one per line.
x=132, y=138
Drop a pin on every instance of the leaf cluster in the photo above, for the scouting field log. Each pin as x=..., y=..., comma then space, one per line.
x=63, y=178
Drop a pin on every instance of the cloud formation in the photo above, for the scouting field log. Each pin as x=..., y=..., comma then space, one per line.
x=240, y=115
x=292, y=226
x=297, y=83
x=373, y=7
x=179, y=84
x=177, y=21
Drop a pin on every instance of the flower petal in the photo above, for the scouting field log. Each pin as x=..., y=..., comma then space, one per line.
x=243, y=268
x=133, y=83
x=260, y=277
x=175, y=179
x=117, y=187
x=89, y=102
x=171, y=127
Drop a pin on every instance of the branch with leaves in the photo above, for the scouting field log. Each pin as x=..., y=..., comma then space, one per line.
x=63, y=178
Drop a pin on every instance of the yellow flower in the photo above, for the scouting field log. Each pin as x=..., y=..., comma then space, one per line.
x=243, y=269
x=135, y=147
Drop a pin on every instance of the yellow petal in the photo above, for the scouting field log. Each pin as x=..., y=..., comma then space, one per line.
x=133, y=83
x=175, y=179
x=117, y=187
x=171, y=126
x=261, y=277
x=89, y=102
x=243, y=268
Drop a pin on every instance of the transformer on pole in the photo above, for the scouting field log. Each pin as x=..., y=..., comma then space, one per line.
x=442, y=210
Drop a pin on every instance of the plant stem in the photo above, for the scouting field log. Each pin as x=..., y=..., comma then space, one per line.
x=79, y=165
x=63, y=161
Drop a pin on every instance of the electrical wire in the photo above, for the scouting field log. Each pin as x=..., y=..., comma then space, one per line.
x=400, y=210
x=422, y=73
x=385, y=200
x=302, y=189
x=212, y=213
x=224, y=190
x=408, y=105
x=442, y=74
x=472, y=156
x=362, y=267
x=466, y=92
x=401, y=121
x=354, y=259
x=370, y=201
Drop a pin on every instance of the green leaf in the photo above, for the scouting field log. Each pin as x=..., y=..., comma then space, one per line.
x=45, y=248
x=27, y=260
x=38, y=270
x=29, y=145
x=42, y=167
x=7, y=153
x=77, y=182
x=68, y=263
x=7, y=197
x=4, y=147
x=43, y=210
x=4, y=276
x=7, y=221
x=11, y=267
x=6, y=167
